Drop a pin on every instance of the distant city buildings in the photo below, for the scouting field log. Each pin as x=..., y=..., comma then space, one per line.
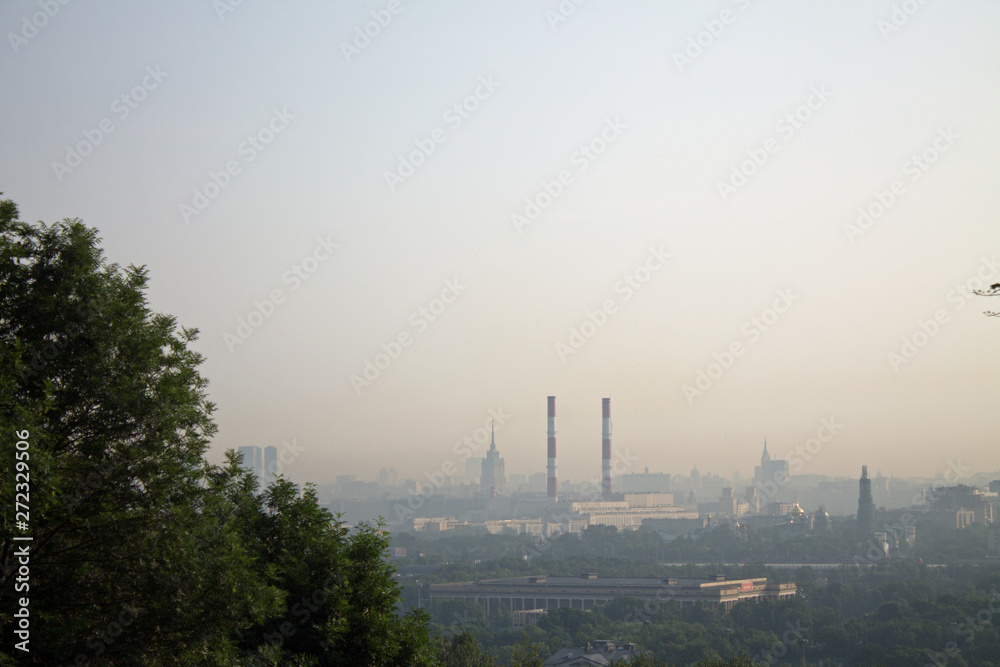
x=387, y=479
x=251, y=459
x=262, y=463
x=484, y=499
x=589, y=590
x=596, y=652
x=517, y=483
x=866, y=508
x=993, y=541
x=270, y=463
x=960, y=506
x=821, y=520
x=493, y=480
x=770, y=473
x=643, y=482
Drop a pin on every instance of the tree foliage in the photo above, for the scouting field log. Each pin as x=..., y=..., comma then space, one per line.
x=142, y=552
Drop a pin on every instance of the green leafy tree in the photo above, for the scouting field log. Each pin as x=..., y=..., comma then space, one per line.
x=464, y=650
x=527, y=654
x=128, y=560
x=142, y=552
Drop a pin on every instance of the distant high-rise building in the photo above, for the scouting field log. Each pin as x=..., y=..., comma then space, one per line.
x=493, y=480
x=822, y=520
x=251, y=459
x=752, y=499
x=473, y=469
x=606, y=448
x=387, y=478
x=771, y=472
x=866, y=508
x=537, y=482
x=518, y=482
x=552, y=482
x=644, y=482
x=270, y=463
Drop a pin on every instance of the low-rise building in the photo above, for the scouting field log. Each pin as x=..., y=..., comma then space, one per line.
x=522, y=618
x=589, y=590
x=993, y=541
x=597, y=653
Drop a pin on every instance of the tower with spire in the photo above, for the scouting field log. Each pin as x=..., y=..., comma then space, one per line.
x=493, y=480
x=771, y=475
x=866, y=508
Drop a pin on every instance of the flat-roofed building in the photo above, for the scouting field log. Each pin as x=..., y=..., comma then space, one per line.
x=632, y=519
x=649, y=499
x=993, y=541
x=589, y=590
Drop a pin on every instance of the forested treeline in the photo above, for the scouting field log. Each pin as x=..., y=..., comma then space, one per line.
x=719, y=544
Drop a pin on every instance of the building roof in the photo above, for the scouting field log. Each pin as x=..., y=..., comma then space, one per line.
x=614, y=582
x=715, y=589
x=599, y=652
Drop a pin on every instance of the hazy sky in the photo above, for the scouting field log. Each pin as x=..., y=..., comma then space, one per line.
x=693, y=165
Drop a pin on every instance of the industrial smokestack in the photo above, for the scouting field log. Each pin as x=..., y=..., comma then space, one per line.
x=553, y=490
x=606, y=447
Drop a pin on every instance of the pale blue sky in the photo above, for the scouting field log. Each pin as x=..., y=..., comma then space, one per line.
x=655, y=185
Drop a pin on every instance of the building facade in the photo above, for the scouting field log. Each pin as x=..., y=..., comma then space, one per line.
x=493, y=480
x=252, y=460
x=771, y=473
x=866, y=508
x=589, y=590
x=270, y=463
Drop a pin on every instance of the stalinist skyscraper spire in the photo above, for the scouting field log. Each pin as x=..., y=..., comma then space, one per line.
x=493, y=480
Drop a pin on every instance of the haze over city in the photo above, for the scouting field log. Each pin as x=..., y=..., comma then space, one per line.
x=510, y=202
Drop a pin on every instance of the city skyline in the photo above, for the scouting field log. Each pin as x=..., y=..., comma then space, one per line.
x=737, y=220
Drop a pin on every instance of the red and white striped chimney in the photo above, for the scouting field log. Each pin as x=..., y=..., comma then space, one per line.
x=606, y=447
x=553, y=489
